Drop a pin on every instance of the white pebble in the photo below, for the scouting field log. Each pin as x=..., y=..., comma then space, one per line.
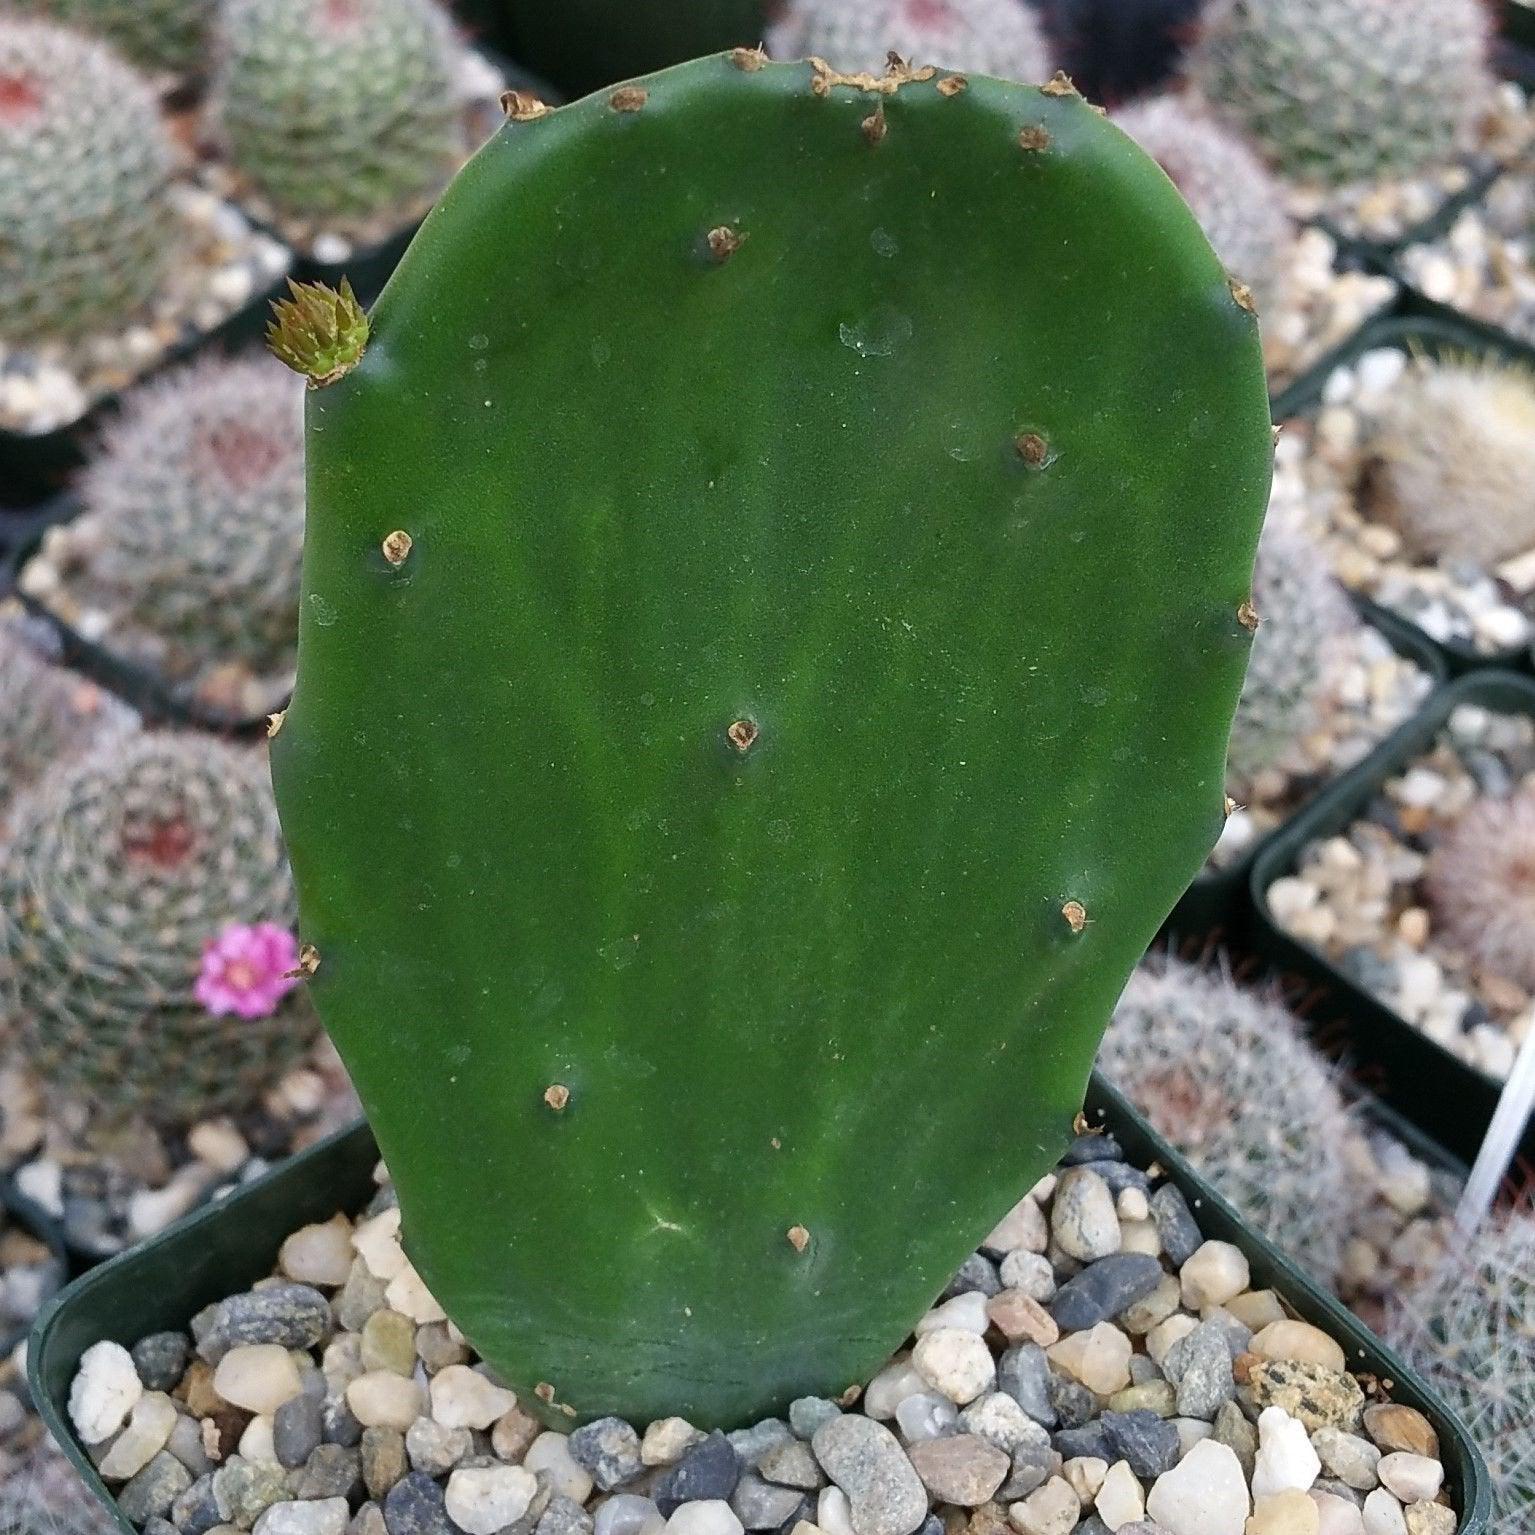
x=484, y=1499
x=1413, y=1478
x=1214, y=1275
x=106, y=1388
x=967, y=1312
x=955, y=1362
x=382, y=1399
x=550, y=1453
x=834, y=1512
x=320, y=1254
x=1286, y=1459
x=897, y=1381
x=406, y=1293
x=708, y=1516
x=464, y=1398
x=1383, y=1514
x=256, y=1442
x=259, y=1377
x=306, y=1516
x=378, y=1242
x=1120, y=1499
x=154, y=1416
x=1204, y=1494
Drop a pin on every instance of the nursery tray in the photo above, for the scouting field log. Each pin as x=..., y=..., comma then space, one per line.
x=1448, y=1099
x=34, y=467
x=225, y=1247
x=151, y=696
x=1430, y=330
x=1217, y=906
x=36, y=1222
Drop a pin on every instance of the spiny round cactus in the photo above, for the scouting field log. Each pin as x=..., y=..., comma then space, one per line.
x=1481, y=881
x=1302, y=615
x=192, y=532
x=1228, y=1076
x=1450, y=459
x=338, y=111
x=159, y=34
x=1239, y=205
x=47, y=715
x=143, y=892
x=42, y=1494
x=989, y=37
x=1336, y=91
x=1471, y=1331
x=86, y=227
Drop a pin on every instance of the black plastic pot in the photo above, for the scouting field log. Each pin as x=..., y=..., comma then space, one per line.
x=1449, y=1100
x=36, y=1222
x=36, y=467
x=1216, y=906
x=151, y=696
x=225, y=1247
x=1429, y=330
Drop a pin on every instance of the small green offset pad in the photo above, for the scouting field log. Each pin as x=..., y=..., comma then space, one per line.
x=774, y=603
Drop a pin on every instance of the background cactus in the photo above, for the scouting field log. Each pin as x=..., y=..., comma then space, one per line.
x=1450, y=459
x=47, y=715
x=1471, y=1331
x=991, y=37
x=88, y=230
x=191, y=537
x=1239, y=205
x=42, y=1494
x=1297, y=653
x=119, y=875
x=1338, y=91
x=766, y=574
x=1479, y=880
x=159, y=34
x=1229, y=1077
x=341, y=112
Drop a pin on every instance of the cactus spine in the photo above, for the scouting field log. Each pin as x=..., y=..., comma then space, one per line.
x=119, y=875
x=1339, y=91
x=158, y=34
x=339, y=112
x=83, y=193
x=846, y=591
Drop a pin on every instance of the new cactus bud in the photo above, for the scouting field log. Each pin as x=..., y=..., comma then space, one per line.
x=991, y=37
x=87, y=227
x=146, y=895
x=743, y=721
x=340, y=111
x=1450, y=459
x=1337, y=91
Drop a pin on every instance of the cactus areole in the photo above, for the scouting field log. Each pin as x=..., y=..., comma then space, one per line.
x=725, y=820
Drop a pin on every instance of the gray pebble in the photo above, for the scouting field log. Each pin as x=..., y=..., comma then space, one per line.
x=1092, y=1525
x=1121, y=1176
x=297, y=1428
x=435, y=1449
x=751, y=1444
x=1176, y=1226
x=708, y=1472
x=196, y=1511
x=977, y=1272
x=294, y=1315
x=1148, y=1442
x=340, y=1423
x=1200, y=1365
x=331, y=1471
x=609, y=1448
x=368, y=1520
x=1092, y=1148
x=564, y=1516
x=1024, y=1374
x=161, y=1359
x=159, y=1526
x=1104, y=1289
x=416, y=1506
x=926, y=1415
x=867, y=1462
x=1144, y=1370
x=150, y=1494
x=1074, y=1404
x=1033, y=1465
x=792, y=1465
x=245, y=1489
x=808, y=1413
x=1090, y=1439
x=186, y=1444
x=760, y=1505
x=625, y=1514
x=383, y=1460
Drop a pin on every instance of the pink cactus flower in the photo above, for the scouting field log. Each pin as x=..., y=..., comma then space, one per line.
x=245, y=970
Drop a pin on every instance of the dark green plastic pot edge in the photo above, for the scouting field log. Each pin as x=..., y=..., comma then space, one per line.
x=1448, y=1100
x=226, y=1246
x=1216, y=905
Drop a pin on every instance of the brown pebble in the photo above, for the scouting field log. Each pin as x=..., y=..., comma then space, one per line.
x=1395, y=1427
x=1019, y=1315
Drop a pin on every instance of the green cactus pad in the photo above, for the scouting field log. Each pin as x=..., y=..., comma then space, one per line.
x=726, y=819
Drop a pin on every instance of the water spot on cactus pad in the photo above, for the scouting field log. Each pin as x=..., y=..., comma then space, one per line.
x=884, y=243
x=601, y=352
x=478, y=343
x=324, y=614
x=879, y=335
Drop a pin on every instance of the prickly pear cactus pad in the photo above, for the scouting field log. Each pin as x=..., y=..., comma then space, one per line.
x=774, y=602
